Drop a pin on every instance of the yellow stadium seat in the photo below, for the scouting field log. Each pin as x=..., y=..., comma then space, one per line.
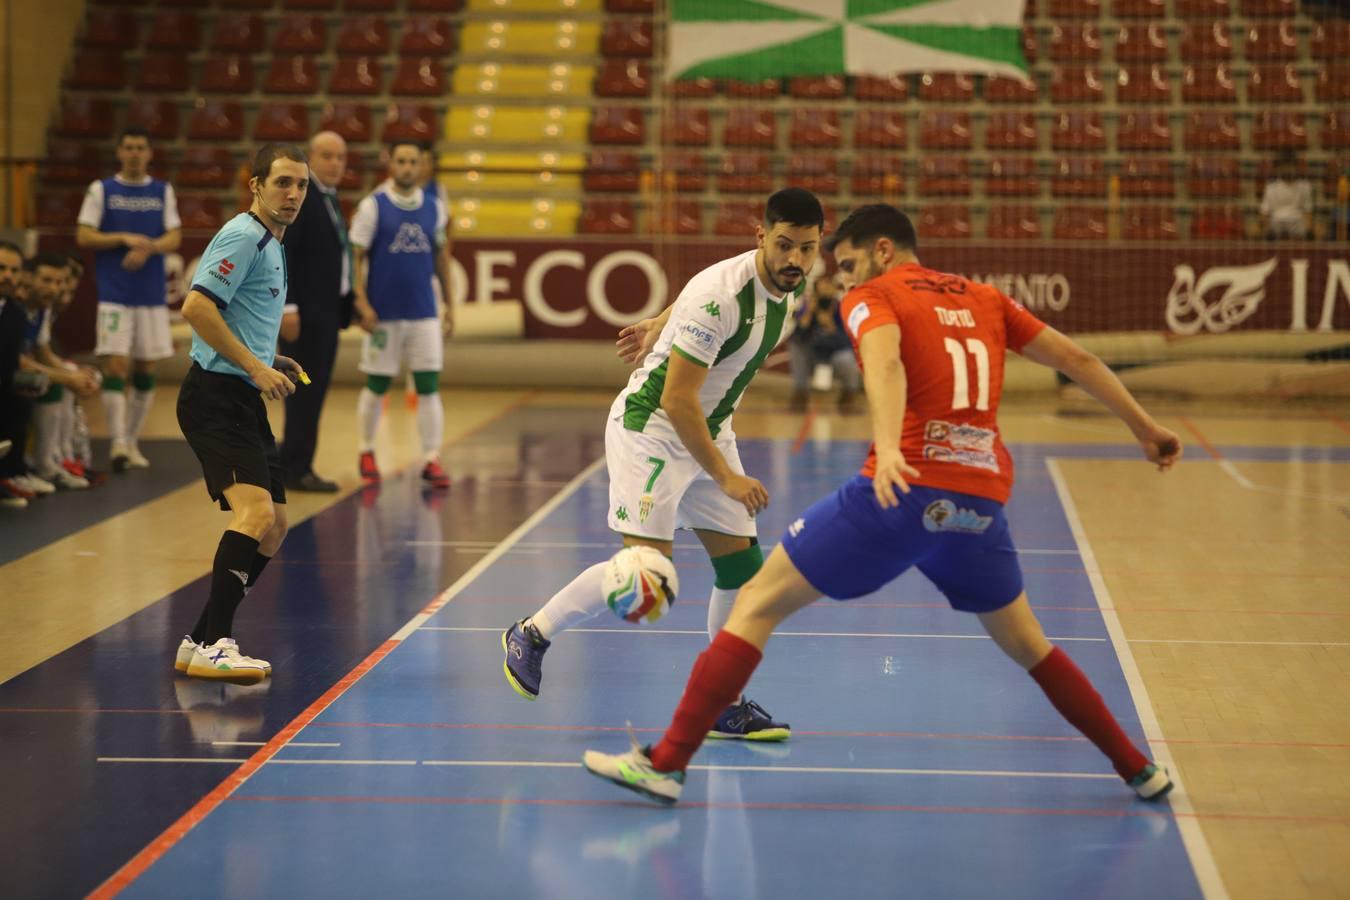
x=560, y=7
x=540, y=217
x=558, y=80
x=534, y=173
x=549, y=40
x=517, y=125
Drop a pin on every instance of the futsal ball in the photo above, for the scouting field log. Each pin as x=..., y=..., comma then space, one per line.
x=640, y=584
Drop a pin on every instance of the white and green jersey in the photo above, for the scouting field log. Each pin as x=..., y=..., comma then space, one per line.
x=724, y=320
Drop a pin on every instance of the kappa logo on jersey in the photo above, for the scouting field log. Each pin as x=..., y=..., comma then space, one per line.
x=964, y=436
x=857, y=317
x=701, y=336
x=796, y=527
x=978, y=459
x=944, y=515
x=410, y=239
x=712, y=309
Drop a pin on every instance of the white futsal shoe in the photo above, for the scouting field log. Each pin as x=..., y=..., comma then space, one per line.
x=222, y=661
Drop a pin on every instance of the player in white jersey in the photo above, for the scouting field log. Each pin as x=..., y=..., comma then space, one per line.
x=669, y=444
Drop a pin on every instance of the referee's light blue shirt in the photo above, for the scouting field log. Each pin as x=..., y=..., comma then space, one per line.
x=243, y=270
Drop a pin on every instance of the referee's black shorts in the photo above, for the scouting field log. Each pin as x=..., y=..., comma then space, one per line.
x=224, y=420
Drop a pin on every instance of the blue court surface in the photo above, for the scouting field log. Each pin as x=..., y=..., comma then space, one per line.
x=923, y=763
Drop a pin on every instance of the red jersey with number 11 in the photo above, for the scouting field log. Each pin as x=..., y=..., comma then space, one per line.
x=954, y=334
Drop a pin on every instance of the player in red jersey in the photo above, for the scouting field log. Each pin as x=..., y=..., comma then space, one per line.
x=931, y=495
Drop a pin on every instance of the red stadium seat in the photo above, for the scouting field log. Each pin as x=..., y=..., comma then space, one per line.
x=890, y=89
x=438, y=6
x=818, y=87
x=1078, y=131
x=281, y=122
x=164, y=72
x=1274, y=83
x=409, y=122
x=1333, y=83
x=816, y=173
x=1074, y=9
x=1012, y=176
x=1080, y=223
x=232, y=74
x=1279, y=130
x=612, y=170
x=738, y=218
x=687, y=127
x=73, y=164
x=360, y=75
x=1140, y=42
x=1269, y=9
x=174, y=31
x=944, y=130
x=207, y=167
x=878, y=175
x=242, y=4
x=1079, y=176
x=58, y=209
x=1076, y=84
x=947, y=176
x=351, y=120
x=1335, y=129
x=200, y=211
x=1213, y=176
x=97, y=70
x=1143, y=84
x=692, y=87
x=618, y=125
x=814, y=127
x=630, y=6
x=749, y=127
x=354, y=178
x=159, y=117
x=1217, y=222
x=418, y=76
x=1013, y=223
x=1138, y=9
x=944, y=222
x=1145, y=176
x=1332, y=174
x=1272, y=41
x=300, y=34
x=764, y=89
x=1330, y=40
x=85, y=117
x=1144, y=131
x=1209, y=129
x=1003, y=89
x=1075, y=43
x=1011, y=131
x=384, y=6
x=240, y=34
x=318, y=5
x=366, y=35
x=624, y=78
x=684, y=170
x=1203, y=9
x=1031, y=46
x=426, y=36
x=292, y=75
x=627, y=37
x=607, y=217
x=1148, y=223
x=1206, y=41
x=676, y=217
x=745, y=173
x=112, y=28
x=946, y=87
x=1208, y=83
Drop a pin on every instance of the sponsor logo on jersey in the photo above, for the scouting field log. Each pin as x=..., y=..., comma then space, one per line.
x=701, y=336
x=410, y=239
x=275, y=292
x=856, y=317
x=978, y=459
x=959, y=318
x=944, y=515
x=226, y=267
x=964, y=436
x=221, y=272
x=796, y=527
x=645, y=507
x=135, y=204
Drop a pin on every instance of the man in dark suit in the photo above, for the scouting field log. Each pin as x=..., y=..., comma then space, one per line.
x=319, y=304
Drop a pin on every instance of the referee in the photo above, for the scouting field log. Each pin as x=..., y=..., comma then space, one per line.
x=235, y=308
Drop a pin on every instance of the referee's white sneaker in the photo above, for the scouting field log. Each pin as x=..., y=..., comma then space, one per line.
x=135, y=459
x=187, y=646
x=222, y=661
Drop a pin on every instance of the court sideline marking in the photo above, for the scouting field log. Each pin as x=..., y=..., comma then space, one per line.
x=152, y=852
x=1192, y=837
x=1231, y=470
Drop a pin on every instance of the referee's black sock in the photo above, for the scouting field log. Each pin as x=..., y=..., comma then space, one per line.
x=229, y=577
x=260, y=562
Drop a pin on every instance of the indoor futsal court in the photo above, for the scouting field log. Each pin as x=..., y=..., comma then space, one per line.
x=388, y=757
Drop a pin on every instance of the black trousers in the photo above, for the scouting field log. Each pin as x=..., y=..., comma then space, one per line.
x=316, y=351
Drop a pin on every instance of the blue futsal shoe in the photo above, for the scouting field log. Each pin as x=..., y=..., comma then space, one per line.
x=524, y=665
x=748, y=721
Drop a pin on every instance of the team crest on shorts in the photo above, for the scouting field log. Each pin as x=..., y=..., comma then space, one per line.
x=645, y=507
x=944, y=515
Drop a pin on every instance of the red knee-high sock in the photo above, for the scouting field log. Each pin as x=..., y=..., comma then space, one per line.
x=1078, y=701
x=720, y=674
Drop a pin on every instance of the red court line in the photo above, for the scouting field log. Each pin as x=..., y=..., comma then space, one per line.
x=802, y=432
x=1204, y=441
x=1161, y=812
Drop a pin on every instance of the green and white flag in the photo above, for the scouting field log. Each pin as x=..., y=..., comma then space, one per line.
x=754, y=39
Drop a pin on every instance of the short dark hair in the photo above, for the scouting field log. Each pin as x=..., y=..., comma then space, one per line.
x=74, y=259
x=11, y=247
x=133, y=131
x=270, y=153
x=875, y=220
x=49, y=259
x=419, y=146
x=795, y=206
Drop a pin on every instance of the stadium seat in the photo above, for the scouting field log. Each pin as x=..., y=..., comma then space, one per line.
x=365, y=35
x=1144, y=131
x=683, y=217
x=426, y=36
x=1335, y=133
x=1074, y=9
x=686, y=127
x=1333, y=83
x=1279, y=130
x=1076, y=84
x=300, y=34
x=243, y=4
x=630, y=6
x=207, y=167
x=1217, y=222
x=1148, y=223
x=1138, y=9
x=745, y=173
x=1209, y=129
x=548, y=39
x=159, y=117
x=1274, y=83
x=764, y=89
x=624, y=78
x=1213, y=176
x=1012, y=176
x=1269, y=9
x=1141, y=42
x=530, y=82
x=1080, y=223
x=1079, y=176
x=418, y=76
x=816, y=173
x=685, y=171
x=97, y=70
x=1147, y=176
x=944, y=176
x=1268, y=41
x=1143, y=84
x=612, y=170
x=946, y=87
x=292, y=75
x=230, y=74
x=1203, y=9
x=317, y=5
x=174, y=30
x=818, y=87
x=1078, y=42
x=1006, y=130
x=1335, y=170
x=878, y=175
x=690, y=88
x=1205, y=42
x=78, y=163
x=1330, y=40
x=814, y=127
x=944, y=130
x=1078, y=131
x=58, y=209
x=881, y=89
x=1012, y=223
x=944, y=222
x=607, y=217
x=627, y=37
x=437, y=6
x=85, y=117
x=200, y=211
x=1031, y=45
x=1208, y=83
x=617, y=125
x=375, y=6
x=1004, y=89
x=750, y=127
x=112, y=28
x=351, y=120
x=281, y=121
x=164, y=72
x=409, y=122
x=238, y=34
x=359, y=75
x=354, y=177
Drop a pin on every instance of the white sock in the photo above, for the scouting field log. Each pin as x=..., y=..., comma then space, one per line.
x=65, y=447
x=81, y=440
x=430, y=424
x=719, y=609
x=115, y=411
x=47, y=428
x=581, y=600
x=137, y=410
x=368, y=408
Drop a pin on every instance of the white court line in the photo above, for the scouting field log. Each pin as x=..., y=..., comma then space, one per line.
x=274, y=761
x=1242, y=643
x=535, y=546
x=788, y=770
x=1231, y=470
x=1192, y=837
x=264, y=744
x=704, y=632
x=167, y=759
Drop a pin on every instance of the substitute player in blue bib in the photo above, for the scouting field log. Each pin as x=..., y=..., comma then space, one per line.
x=131, y=221
x=235, y=308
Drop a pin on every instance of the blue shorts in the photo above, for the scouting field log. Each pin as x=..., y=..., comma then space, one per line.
x=846, y=545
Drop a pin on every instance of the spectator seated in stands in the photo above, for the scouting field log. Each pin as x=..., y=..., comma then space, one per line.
x=1286, y=205
x=820, y=340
